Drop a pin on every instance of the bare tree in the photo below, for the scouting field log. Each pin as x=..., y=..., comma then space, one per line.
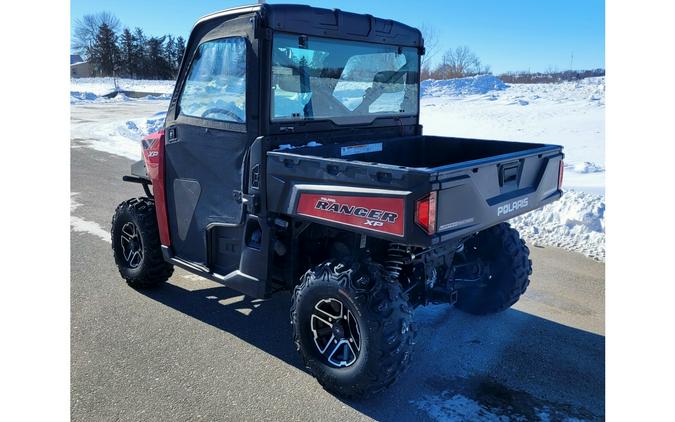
x=460, y=62
x=430, y=36
x=86, y=29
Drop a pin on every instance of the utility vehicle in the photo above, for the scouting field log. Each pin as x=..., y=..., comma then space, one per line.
x=292, y=158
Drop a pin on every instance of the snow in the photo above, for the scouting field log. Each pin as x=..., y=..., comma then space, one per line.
x=576, y=222
x=79, y=224
x=451, y=407
x=93, y=89
x=119, y=137
x=570, y=114
x=456, y=408
x=480, y=84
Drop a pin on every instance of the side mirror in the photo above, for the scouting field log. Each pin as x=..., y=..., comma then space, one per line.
x=389, y=81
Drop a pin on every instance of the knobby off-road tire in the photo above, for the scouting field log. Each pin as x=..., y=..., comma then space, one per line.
x=507, y=255
x=136, y=246
x=384, y=318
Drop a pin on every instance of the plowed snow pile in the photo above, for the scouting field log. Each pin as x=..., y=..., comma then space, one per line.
x=576, y=222
x=83, y=90
x=119, y=137
x=480, y=84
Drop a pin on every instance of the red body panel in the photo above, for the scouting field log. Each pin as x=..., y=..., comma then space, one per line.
x=153, y=154
x=383, y=215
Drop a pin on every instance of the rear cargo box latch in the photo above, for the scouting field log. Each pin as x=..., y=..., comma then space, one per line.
x=509, y=174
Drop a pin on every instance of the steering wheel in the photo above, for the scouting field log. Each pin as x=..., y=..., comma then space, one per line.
x=216, y=110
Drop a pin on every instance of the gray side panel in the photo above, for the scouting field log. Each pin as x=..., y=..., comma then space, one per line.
x=186, y=195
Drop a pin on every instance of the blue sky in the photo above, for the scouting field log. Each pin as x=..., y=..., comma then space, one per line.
x=509, y=36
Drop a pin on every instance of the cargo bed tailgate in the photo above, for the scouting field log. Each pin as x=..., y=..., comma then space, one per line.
x=479, y=194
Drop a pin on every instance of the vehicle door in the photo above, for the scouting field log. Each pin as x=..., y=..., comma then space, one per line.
x=205, y=147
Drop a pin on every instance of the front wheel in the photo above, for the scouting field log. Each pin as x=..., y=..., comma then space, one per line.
x=136, y=246
x=352, y=327
x=507, y=258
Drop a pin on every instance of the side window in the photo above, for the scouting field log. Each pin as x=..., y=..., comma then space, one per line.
x=215, y=87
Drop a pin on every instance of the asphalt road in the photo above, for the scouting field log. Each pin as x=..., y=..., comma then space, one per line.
x=195, y=350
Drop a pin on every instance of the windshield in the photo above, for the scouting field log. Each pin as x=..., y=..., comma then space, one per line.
x=344, y=81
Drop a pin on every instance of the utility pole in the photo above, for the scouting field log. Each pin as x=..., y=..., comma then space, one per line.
x=571, y=60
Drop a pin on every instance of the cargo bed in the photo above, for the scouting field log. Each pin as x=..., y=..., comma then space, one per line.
x=476, y=183
x=420, y=152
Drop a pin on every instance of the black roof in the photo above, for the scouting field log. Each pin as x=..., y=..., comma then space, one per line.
x=331, y=23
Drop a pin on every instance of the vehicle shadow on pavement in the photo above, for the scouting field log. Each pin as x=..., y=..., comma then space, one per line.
x=511, y=365
x=240, y=315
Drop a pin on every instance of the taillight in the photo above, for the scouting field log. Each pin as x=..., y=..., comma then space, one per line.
x=560, y=174
x=425, y=213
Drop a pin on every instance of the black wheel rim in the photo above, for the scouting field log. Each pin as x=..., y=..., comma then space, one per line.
x=337, y=336
x=132, y=247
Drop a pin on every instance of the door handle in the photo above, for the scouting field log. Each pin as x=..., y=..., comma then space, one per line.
x=171, y=136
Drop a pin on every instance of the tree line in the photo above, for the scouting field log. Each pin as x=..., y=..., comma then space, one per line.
x=527, y=77
x=126, y=53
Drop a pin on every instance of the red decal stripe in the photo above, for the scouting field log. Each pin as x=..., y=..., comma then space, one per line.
x=153, y=154
x=384, y=215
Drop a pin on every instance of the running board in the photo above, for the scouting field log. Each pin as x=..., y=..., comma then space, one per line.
x=244, y=283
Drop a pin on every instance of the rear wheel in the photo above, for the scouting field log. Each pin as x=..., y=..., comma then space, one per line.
x=136, y=246
x=352, y=327
x=506, y=256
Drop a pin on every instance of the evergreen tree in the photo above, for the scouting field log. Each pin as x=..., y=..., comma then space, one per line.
x=127, y=54
x=180, y=51
x=141, y=68
x=157, y=65
x=170, y=55
x=103, y=52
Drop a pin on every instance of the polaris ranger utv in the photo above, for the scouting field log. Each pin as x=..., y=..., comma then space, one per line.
x=292, y=158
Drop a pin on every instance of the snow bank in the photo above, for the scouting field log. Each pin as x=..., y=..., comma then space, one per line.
x=584, y=167
x=102, y=86
x=84, y=90
x=576, y=222
x=128, y=134
x=139, y=128
x=120, y=137
x=77, y=97
x=480, y=84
